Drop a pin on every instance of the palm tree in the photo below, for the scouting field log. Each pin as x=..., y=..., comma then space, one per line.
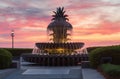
x=59, y=26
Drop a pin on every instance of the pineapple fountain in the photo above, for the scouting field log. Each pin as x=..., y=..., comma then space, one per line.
x=59, y=32
x=59, y=51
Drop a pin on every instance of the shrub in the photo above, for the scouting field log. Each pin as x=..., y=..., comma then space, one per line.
x=111, y=70
x=18, y=51
x=5, y=58
x=111, y=51
x=89, y=49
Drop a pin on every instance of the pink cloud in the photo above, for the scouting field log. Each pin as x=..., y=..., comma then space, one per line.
x=30, y=22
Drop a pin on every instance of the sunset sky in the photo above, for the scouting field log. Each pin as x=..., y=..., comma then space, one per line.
x=95, y=22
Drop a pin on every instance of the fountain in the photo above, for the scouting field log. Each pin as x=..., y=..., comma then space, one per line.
x=59, y=31
x=59, y=51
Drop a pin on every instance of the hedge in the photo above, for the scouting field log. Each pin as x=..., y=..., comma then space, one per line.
x=89, y=49
x=96, y=55
x=18, y=51
x=5, y=59
x=111, y=70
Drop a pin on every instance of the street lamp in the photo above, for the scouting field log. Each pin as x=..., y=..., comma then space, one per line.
x=12, y=35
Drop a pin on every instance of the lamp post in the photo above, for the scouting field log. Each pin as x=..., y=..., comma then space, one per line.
x=12, y=35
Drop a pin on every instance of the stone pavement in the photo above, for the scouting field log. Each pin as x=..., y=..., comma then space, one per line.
x=41, y=72
x=6, y=72
x=89, y=73
x=74, y=73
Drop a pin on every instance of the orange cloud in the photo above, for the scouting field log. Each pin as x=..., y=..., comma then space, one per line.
x=94, y=22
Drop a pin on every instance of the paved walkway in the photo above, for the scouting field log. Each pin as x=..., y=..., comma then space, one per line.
x=37, y=72
x=74, y=73
x=6, y=72
x=91, y=74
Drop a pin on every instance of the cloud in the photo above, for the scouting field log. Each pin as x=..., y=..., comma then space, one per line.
x=94, y=21
x=33, y=29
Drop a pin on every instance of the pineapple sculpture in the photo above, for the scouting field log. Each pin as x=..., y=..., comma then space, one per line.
x=59, y=29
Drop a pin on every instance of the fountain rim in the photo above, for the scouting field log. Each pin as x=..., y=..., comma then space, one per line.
x=67, y=45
